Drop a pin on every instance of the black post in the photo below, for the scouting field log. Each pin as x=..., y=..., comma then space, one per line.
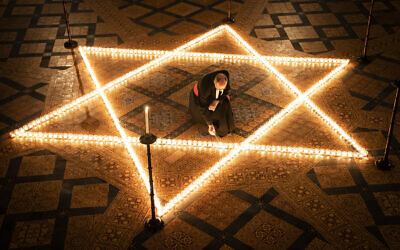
x=154, y=224
x=90, y=123
x=229, y=18
x=70, y=44
x=384, y=163
x=363, y=58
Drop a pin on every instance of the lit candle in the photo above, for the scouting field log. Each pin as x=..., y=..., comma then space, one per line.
x=146, y=116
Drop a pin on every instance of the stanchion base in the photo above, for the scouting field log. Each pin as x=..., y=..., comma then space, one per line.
x=71, y=45
x=229, y=19
x=154, y=225
x=148, y=139
x=384, y=165
x=363, y=60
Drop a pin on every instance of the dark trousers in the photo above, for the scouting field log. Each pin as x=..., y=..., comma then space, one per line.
x=221, y=118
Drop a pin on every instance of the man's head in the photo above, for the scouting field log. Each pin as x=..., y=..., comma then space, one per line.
x=220, y=81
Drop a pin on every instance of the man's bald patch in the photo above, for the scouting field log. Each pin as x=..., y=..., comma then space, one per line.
x=220, y=80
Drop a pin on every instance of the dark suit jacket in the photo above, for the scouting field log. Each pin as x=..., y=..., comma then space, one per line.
x=207, y=93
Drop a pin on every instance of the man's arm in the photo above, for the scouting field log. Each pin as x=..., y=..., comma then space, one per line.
x=205, y=87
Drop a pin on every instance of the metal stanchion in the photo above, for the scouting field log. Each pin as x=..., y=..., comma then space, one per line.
x=384, y=163
x=154, y=224
x=90, y=123
x=363, y=58
x=229, y=18
x=70, y=44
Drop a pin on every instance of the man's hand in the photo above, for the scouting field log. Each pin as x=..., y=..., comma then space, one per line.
x=211, y=130
x=213, y=105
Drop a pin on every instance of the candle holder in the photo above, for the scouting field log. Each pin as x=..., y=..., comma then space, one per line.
x=229, y=18
x=70, y=44
x=363, y=59
x=154, y=224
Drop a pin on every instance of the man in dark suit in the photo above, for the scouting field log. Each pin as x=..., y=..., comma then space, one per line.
x=209, y=103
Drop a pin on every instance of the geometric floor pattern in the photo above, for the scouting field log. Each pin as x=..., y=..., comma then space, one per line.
x=263, y=204
x=40, y=30
x=381, y=200
x=266, y=232
x=315, y=26
x=52, y=200
x=84, y=51
x=14, y=93
x=175, y=17
x=35, y=32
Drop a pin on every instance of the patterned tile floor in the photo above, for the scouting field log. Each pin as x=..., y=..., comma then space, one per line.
x=77, y=196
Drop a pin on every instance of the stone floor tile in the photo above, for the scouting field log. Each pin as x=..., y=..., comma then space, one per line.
x=335, y=32
x=37, y=48
x=80, y=231
x=53, y=8
x=49, y=20
x=178, y=234
x=40, y=33
x=390, y=235
x=313, y=46
x=301, y=32
x=82, y=18
x=37, y=165
x=159, y=20
x=90, y=195
x=34, y=197
x=267, y=33
x=384, y=69
x=310, y=7
x=23, y=10
x=34, y=233
x=8, y=36
x=18, y=109
x=342, y=7
x=30, y=1
x=322, y=19
x=274, y=8
x=185, y=27
x=182, y=9
x=265, y=20
x=136, y=11
x=208, y=17
x=265, y=231
x=5, y=50
x=235, y=6
x=292, y=19
x=389, y=202
x=318, y=244
x=342, y=176
x=210, y=208
x=355, y=18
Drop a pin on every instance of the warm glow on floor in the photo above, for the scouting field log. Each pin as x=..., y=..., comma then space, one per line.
x=159, y=57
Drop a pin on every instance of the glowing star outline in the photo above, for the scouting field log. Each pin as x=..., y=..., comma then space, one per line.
x=235, y=148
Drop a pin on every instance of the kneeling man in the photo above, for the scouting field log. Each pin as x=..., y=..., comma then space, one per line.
x=210, y=103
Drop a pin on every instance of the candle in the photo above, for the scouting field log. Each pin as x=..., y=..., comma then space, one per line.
x=146, y=116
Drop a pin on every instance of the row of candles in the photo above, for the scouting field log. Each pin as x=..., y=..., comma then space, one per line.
x=99, y=51
x=187, y=144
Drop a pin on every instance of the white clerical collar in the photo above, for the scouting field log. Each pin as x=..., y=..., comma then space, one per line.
x=217, y=93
